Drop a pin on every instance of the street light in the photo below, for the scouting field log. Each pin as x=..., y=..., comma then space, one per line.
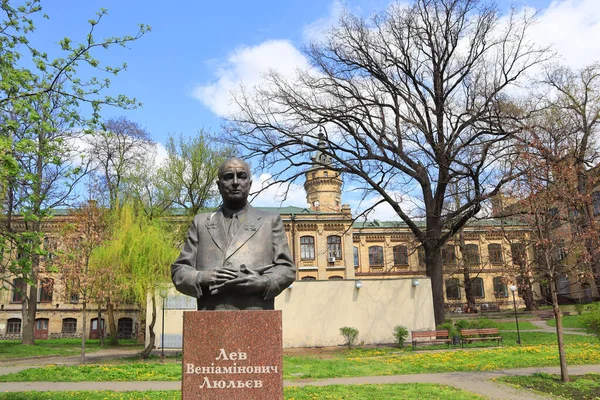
x=513, y=289
x=163, y=292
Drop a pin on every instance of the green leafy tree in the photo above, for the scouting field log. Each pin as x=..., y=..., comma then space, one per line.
x=140, y=251
x=190, y=171
x=41, y=104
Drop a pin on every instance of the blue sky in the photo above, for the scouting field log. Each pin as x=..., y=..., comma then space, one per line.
x=197, y=51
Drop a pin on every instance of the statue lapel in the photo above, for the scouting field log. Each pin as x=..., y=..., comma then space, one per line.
x=216, y=229
x=249, y=227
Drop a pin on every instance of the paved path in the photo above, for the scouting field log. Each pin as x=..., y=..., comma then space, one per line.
x=476, y=382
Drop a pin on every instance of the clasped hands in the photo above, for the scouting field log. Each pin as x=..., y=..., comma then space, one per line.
x=227, y=279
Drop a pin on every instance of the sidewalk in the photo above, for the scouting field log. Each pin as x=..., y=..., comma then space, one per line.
x=475, y=382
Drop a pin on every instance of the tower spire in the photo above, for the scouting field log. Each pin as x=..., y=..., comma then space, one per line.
x=323, y=184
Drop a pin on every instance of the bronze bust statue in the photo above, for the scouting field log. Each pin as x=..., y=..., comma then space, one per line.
x=236, y=258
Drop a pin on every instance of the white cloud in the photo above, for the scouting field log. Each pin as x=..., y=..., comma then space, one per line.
x=572, y=27
x=247, y=66
x=316, y=29
x=278, y=195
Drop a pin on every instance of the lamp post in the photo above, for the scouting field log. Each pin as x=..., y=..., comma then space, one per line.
x=513, y=289
x=163, y=292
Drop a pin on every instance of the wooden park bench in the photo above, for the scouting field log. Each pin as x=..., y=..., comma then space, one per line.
x=475, y=335
x=430, y=337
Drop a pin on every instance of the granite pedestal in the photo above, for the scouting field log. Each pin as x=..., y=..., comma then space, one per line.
x=232, y=355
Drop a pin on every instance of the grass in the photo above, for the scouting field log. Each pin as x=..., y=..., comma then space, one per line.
x=568, y=321
x=62, y=347
x=512, y=326
x=538, y=349
x=581, y=387
x=409, y=391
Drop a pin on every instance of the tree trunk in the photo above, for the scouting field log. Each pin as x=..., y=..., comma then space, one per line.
x=433, y=262
x=564, y=373
x=29, y=310
x=83, y=326
x=150, y=345
x=113, y=338
x=100, y=326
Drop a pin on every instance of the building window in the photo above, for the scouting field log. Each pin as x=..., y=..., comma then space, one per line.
x=375, y=256
x=477, y=287
x=421, y=256
x=495, y=253
x=596, y=202
x=562, y=285
x=335, y=278
x=448, y=255
x=308, y=278
x=307, y=247
x=19, y=288
x=334, y=247
x=452, y=289
x=471, y=254
x=46, y=289
x=519, y=256
x=325, y=174
x=13, y=325
x=69, y=325
x=74, y=297
x=558, y=251
x=400, y=255
x=356, y=257
x=500, y=289
x=125, y=328
x=50, y=248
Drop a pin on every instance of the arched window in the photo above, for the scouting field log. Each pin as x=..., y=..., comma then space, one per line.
x=495, y=253
x=307, y=247
x=13, y=325
x=356, y=257
x=335, y=278
x=308, y=278
x=500, y=289
x=400, y=255
x=46, y=290
x=477, y=287
x=125, y=327
x=334, y=247
x=375, y=256
x=69, y=325
x=452, y=289
x=471, y=254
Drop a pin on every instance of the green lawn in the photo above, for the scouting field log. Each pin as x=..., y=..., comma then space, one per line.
x=62, y=347
x=581, y=387
x=568, y=321
x=409, y=391
x=538, y=349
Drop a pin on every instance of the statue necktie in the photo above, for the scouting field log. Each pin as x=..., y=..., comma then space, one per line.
x=233, y=226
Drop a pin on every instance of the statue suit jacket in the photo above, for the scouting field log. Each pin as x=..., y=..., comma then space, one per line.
x=259, y=242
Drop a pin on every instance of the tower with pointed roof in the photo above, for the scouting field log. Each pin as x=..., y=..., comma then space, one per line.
x=323, y=184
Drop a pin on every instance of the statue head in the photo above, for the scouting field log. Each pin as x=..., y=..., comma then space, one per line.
x=234, y=183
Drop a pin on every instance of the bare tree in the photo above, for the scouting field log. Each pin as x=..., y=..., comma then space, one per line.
x=574, y=97
x=409, y=101
x=117, y=150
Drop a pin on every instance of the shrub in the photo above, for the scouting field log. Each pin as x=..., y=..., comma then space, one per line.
x=448, y=326
x=349, y=334
x=580, y=308
x=401, y=334
x=591, y=319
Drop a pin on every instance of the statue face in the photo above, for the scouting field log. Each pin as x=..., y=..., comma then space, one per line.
x=234, y=184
